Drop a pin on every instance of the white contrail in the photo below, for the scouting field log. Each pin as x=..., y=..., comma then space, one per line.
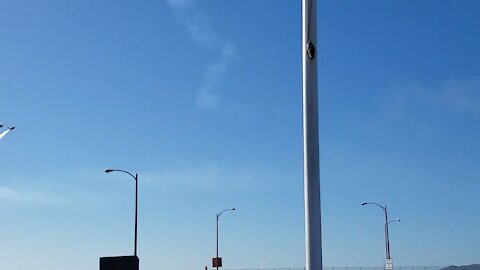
x=4, y=133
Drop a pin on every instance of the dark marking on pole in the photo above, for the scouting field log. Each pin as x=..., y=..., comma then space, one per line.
x=310, y=50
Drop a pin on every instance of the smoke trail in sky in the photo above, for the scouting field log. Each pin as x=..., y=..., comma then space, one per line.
x=203, y=33
x=4, y=133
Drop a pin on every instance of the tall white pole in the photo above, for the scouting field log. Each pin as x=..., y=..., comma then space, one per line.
x=313, y=231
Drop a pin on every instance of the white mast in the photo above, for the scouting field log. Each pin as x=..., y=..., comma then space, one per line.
x=313, y=231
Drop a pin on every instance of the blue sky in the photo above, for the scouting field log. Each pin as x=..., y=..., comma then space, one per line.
x=203, y=100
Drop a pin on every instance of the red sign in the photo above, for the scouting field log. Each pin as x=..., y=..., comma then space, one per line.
x=217, y=262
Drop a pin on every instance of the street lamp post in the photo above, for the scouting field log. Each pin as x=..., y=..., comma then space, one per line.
x=218, y=216
x=311, y=149
x=136, y=202
x=388, y=259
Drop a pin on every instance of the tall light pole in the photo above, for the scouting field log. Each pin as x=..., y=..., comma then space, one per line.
x=311, y=151
x=388, y=259
x=136, y=202
x=218, y=262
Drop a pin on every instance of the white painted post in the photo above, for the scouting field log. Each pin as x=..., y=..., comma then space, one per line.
x=313, y=236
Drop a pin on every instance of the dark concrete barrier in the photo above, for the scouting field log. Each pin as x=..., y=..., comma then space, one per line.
x=119, y=263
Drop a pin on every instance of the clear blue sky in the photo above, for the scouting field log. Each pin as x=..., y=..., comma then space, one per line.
x=203, y=100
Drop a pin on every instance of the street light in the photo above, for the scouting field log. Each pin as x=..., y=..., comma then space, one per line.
x=218, y=261
x=388, y=259
x=394, y=220
x=136, y=202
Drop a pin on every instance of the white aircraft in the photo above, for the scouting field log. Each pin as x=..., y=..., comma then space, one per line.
x=5, y=131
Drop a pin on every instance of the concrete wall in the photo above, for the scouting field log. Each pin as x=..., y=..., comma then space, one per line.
x=119, y=263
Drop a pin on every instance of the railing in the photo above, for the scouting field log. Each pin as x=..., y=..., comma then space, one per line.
x=351, y=268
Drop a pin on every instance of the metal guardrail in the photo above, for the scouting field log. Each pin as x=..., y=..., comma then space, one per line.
x=351, y=268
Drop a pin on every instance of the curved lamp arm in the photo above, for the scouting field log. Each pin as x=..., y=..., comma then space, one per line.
x=365, y=203
x=116, y=170
x=393, y=220
x=228, y=209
